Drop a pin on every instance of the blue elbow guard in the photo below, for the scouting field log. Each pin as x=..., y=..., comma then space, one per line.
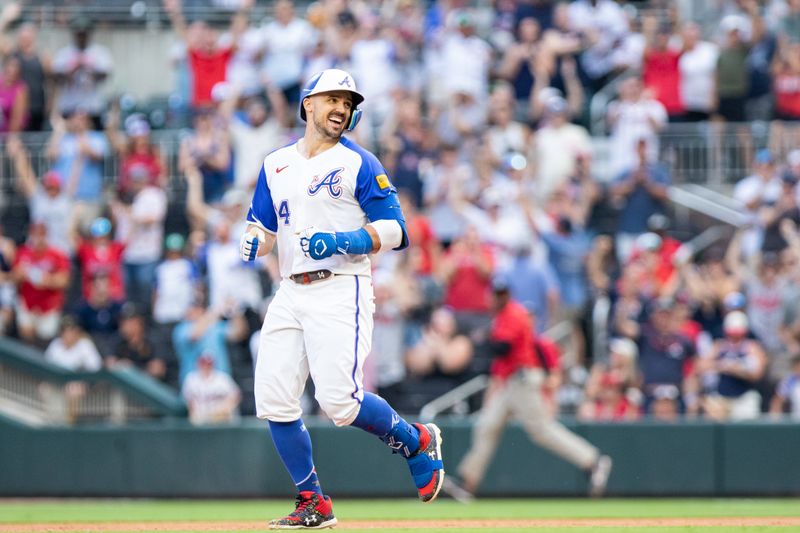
x=387, y=208
x=353, y=242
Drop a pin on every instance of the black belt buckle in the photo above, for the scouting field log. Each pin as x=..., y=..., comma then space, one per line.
x=309, y=277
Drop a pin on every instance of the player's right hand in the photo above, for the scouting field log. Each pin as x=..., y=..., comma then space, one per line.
x=248, y=247
x=318, y=244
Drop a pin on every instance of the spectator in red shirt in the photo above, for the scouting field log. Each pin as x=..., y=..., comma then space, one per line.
x=661, y=70
x=100, y=255
x=423, y=245
x=665, y=249
x=785, y=130
x=208, y=61
x=466, y=271
x=612, y=391
x=658, y=275
x=140, y=158
x=659, y=224
x=515, y=390
x=786, y=84
x=42, y=275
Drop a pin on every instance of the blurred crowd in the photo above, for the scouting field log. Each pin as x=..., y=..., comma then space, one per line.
x=479, y=112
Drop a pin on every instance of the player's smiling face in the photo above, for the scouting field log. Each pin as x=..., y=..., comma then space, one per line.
x=330, y=112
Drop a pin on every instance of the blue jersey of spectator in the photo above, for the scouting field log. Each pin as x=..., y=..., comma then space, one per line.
x=535, y=286
x=90, y=178
x=99, y=319
x=759, y=62
x=729, y=385
x=568, y=249
x=663, y=354
x=644, y=198
x=191, y=341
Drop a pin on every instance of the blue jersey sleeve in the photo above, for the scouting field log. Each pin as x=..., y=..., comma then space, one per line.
x=375, y=193
x=372, y=182
x=262, y=211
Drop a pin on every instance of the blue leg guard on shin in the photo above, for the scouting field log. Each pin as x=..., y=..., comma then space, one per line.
x=376, y=416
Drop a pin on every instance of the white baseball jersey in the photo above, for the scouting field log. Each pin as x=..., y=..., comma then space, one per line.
x=328, y=192
x=208, y=394
x=323, y=328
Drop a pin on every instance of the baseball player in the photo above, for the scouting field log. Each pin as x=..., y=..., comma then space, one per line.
x=515, y=390
x=328, y=203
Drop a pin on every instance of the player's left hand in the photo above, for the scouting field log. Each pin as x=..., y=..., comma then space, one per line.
x=248, y=247
x=318, y=244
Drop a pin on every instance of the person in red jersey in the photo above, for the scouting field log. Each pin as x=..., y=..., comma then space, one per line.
x=41, y=273
x=99, y=255
x=660, y=71
x=208, y=60
x=517, y=378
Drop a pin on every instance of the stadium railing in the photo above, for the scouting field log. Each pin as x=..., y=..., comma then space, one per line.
x=135, y=13
x=705, y=154
x=36, y=392
x=456, y=399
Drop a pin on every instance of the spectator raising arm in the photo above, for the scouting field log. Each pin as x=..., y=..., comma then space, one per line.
x=174, y=9
x=196, y=208
x=26, y=180
x=59, y=130
x=278, y=104
x=11, y=12
x=733, y=258
x=115, y=137
x=572, y=84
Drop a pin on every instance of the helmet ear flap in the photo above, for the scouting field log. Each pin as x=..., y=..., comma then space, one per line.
x=355, y=116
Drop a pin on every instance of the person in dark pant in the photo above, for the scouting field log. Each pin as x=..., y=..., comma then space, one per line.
x=36, y=67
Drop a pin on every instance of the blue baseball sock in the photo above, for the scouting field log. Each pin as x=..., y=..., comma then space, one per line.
x=294, y=446
x=377, y=417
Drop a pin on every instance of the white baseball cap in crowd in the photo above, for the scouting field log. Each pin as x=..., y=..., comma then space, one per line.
x=624, y=347
x=735, y=323
x=649, y=241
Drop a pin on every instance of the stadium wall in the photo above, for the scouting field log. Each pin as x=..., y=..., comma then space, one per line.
x=173, y=459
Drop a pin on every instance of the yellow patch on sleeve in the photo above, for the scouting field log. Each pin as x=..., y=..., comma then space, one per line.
x=383, y=181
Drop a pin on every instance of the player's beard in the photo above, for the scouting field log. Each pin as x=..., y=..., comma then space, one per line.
x=325, y=129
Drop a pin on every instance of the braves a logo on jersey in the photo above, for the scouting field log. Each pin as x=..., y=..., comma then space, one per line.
x=332, y=181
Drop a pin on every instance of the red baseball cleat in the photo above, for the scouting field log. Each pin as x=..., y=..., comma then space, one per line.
x=311, y=511
x=426, y=464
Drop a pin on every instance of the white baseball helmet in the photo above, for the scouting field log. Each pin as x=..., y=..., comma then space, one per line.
x=331, y=80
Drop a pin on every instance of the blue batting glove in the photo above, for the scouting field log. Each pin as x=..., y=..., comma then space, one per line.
x=322, y=245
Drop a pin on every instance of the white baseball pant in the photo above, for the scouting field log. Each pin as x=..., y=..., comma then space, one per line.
x=323, y=328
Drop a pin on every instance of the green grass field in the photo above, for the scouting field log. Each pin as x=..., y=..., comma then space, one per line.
x=520, y=515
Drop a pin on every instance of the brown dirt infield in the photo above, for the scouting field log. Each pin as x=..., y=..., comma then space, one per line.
x=109, y=527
